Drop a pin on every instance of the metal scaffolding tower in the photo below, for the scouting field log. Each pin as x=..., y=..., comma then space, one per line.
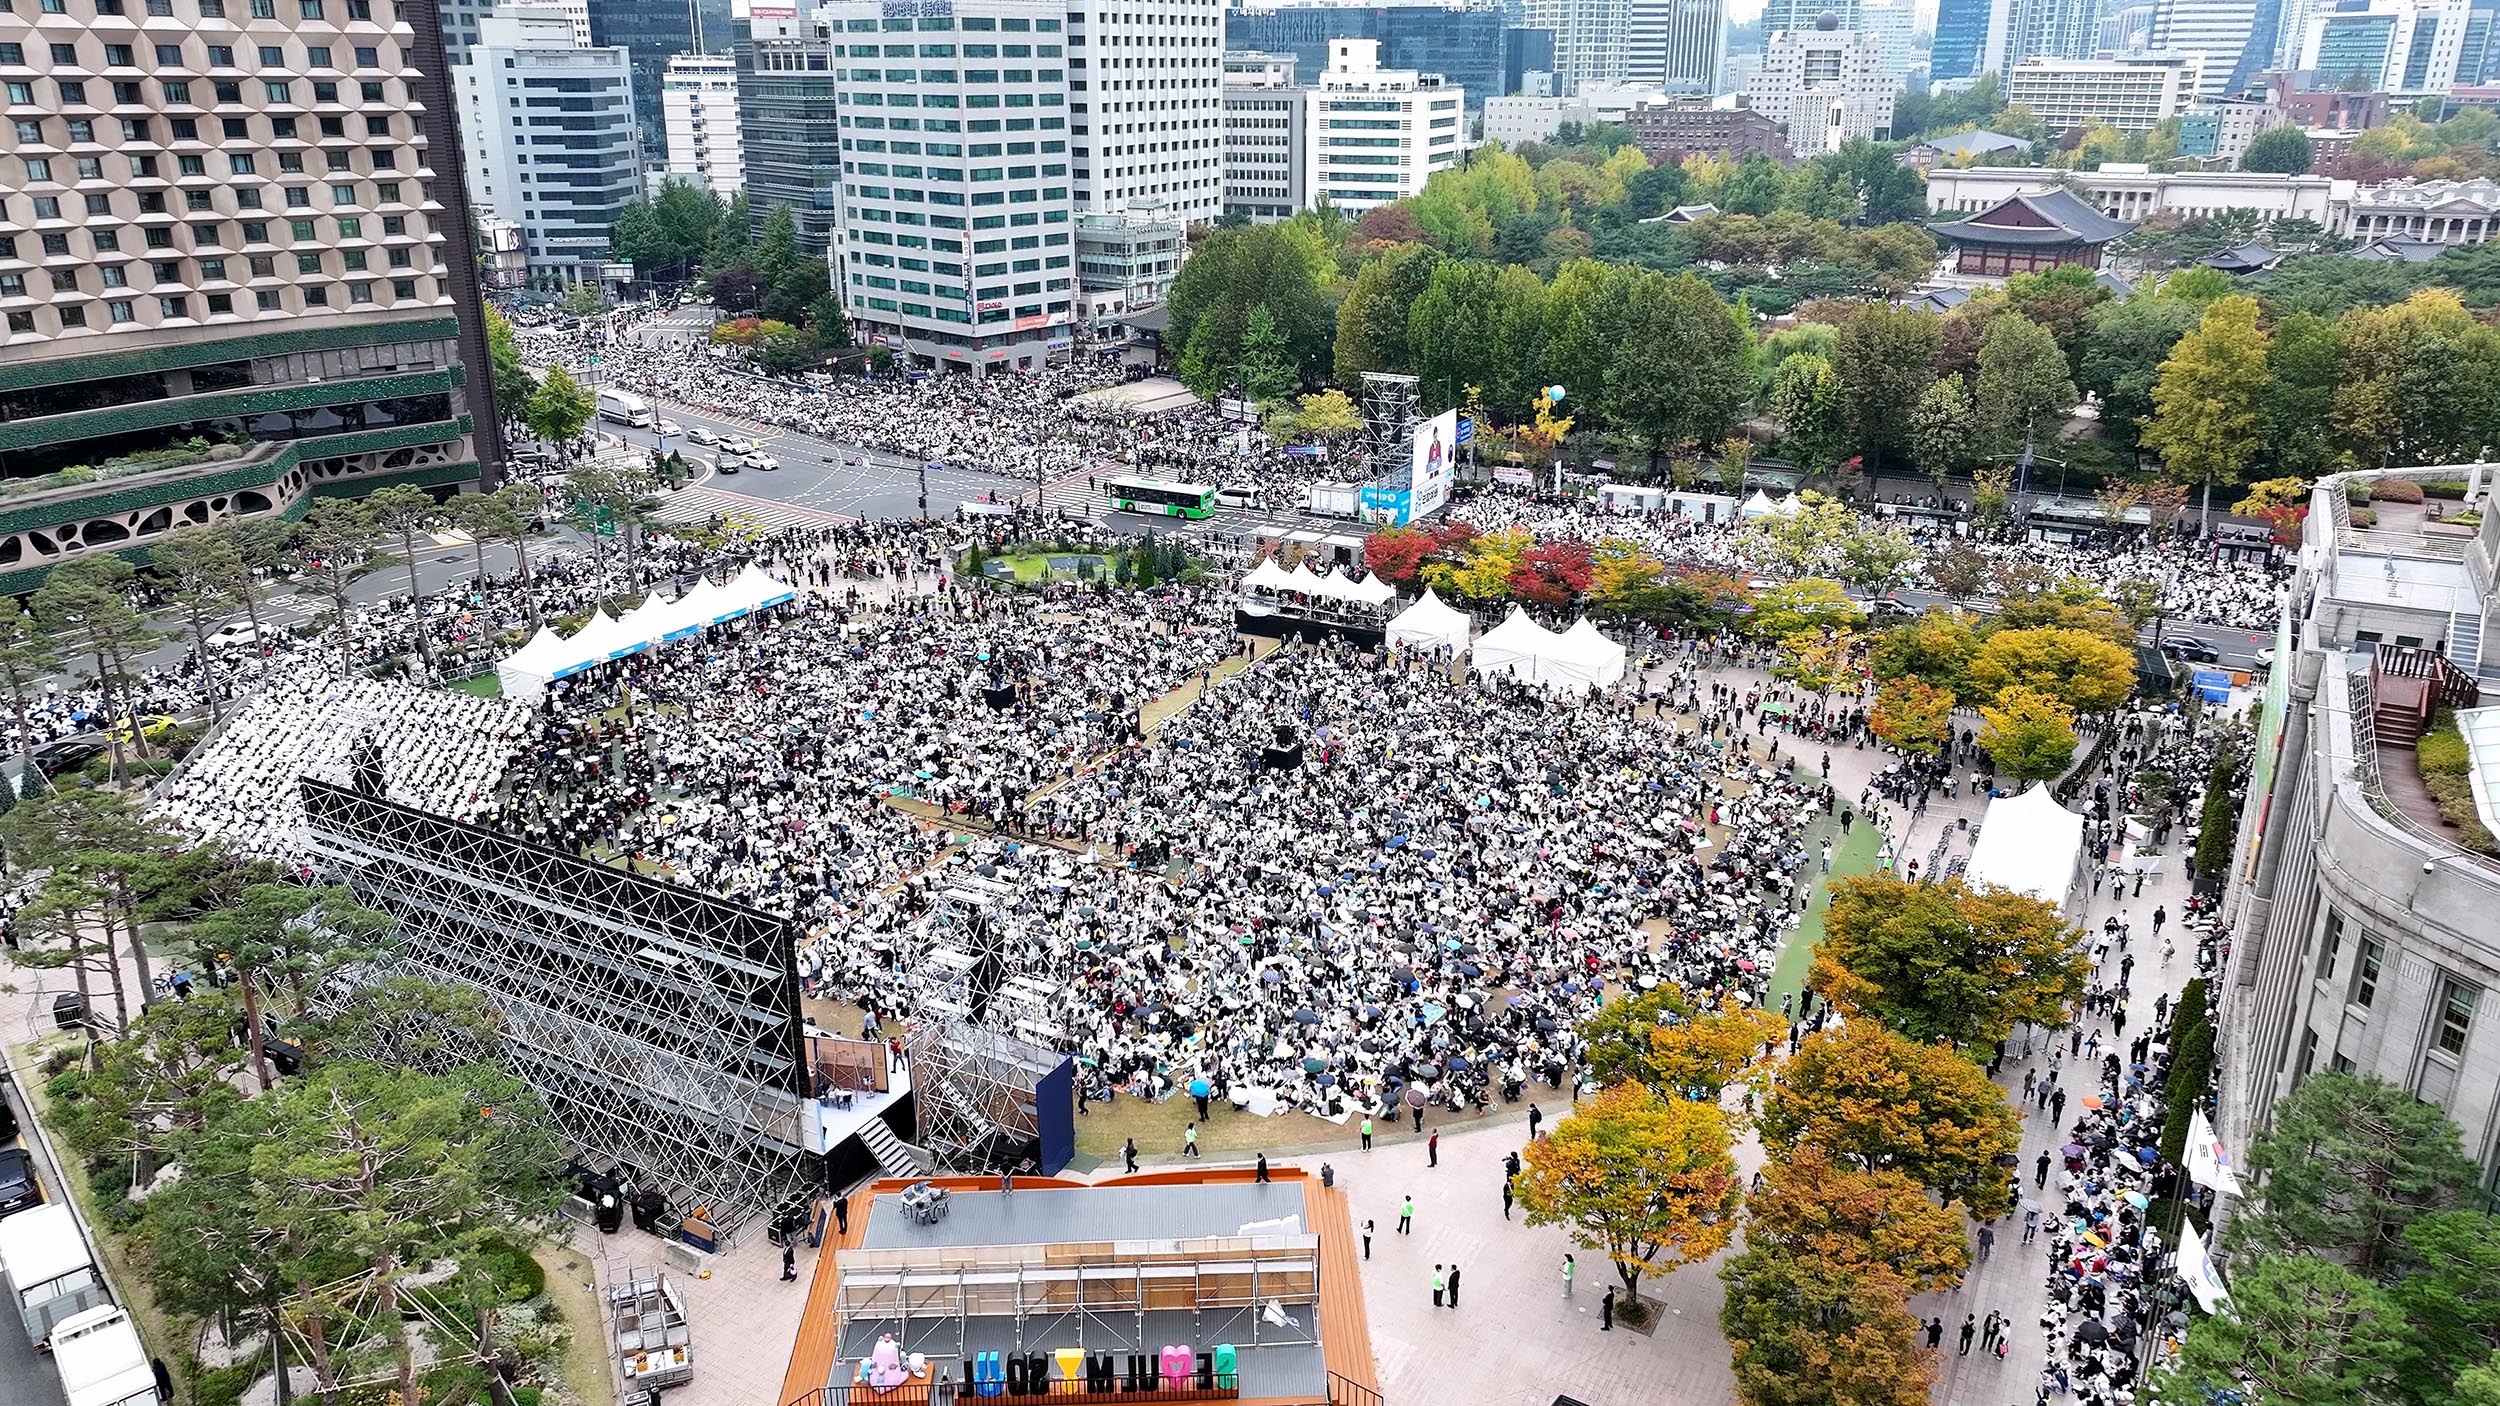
x=1392, y=406
x=660, y=1025
x=989, y=1028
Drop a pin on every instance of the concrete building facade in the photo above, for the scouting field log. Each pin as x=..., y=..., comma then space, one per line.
x=789, y=135
x=699, y=106
x=2362, y=931
x=1468, y=42
x=2131, y=191
x=2410, y=48
x=1676, y=46
x=955, y=240
x=2131, y=94
x=1378, y=134
x=549, y=136
x=1590, y=40
x=263, y=245
x=652, y=35
x=1145, y=103
x=1267, y=137
x=2233, y=38
x=1823, y=86
x=1672, y=131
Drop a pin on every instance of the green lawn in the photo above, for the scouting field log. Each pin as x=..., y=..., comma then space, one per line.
x=485, y=685
x=1858, y=854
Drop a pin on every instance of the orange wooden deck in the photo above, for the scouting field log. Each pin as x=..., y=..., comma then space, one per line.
x=1345, y=1327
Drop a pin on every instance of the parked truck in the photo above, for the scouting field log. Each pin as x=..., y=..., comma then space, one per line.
x=1334, y=499
x=101, y=1361
x=654, y=1345
x=52, y=1276
x=625, y=408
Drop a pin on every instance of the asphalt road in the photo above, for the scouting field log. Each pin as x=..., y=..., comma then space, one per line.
x=24, y=1376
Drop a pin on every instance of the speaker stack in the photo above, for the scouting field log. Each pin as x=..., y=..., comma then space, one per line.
x=1286, y=755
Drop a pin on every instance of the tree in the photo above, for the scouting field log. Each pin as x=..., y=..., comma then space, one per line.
x=1322, y=415
x=1635, y=1175
x=1806, y=400
x=2283, y=150
x=1942, y=961
x=1808, y=606
x=2080, y=669
x=1267, y=370
x=1233, y=271
x=1913, y=716
x=2029, y=735
x=585, y=300
x=2124, y=344
x=26, y=658
x=105, y=859
x=512, y=381
x=1959, y=570
x=2022, y=376
x=2059, y=299
x=560, y=410
x=205, y=576
x=400, y=511
x=1802, y=1336
x=1943, y=430
x=2301, y=1332
x=1933, y=649
x=1658, y=1040
x=499, y=517
x=2208, y=406
x=1397, y=553
x=1875, y=1101
x=84, y=606
x=2451, y=1300
x=1553, y=573
x=2348, y=1163
x=1886, y=360
x=331, y=539
x=1848, y=1222
x=282, y=935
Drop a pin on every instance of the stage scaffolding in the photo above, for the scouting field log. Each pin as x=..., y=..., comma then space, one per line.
x=1093, y=1295
x=988, y=1029
x=659, y=1024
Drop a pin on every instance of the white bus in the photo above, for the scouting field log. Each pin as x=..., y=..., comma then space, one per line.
x=625, y=408
x=102, y=1362
x=51, y=1275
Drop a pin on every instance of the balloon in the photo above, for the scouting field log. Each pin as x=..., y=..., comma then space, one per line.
x=1553, y=392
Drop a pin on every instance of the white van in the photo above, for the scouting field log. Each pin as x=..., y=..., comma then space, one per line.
x=101, y=1360
x=51, y=1275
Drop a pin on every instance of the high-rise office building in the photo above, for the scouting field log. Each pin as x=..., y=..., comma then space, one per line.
x=1824, y=86
x=549, y=136
x=788, y=134
x=955, y=242
x=1970, y=39
x=653, y=33
x=1378, y=134
x=2053, y=29
x=1267, y=137
x=460, y=19
x=699, y=105
x=2132, y=94
x=1144, y=89
x=1465, y=42
x=236, y=228
x=1589, y=40
x=2235, y=38
x=2407, y=47
x=1527, y=61
x=1887, y=27
x=1676, y=44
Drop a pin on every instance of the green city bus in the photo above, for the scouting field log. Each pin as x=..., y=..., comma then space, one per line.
x=1160, y=497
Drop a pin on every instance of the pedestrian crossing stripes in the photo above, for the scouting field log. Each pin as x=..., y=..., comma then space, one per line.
x=701, y=505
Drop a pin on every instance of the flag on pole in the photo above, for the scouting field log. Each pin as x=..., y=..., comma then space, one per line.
x=2208, y=1164
x=2196, y=1268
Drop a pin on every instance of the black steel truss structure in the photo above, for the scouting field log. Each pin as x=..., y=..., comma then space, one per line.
x=660, y=1024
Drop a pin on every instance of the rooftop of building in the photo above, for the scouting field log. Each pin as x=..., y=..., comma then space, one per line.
x=2035, y=218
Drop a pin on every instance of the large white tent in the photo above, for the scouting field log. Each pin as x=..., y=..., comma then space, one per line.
x=1513, y=647
x=2028, y=844
x=1586, y=659
x=1759, y=505
x=527, y=671
x=1521, y=648
x=1430, y=623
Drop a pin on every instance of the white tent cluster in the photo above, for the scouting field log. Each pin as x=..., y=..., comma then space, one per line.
x=1320, y=586
x=1579, y=658
x=1762, y=505
x=1430, y=623
x=548, y=656
x=2029, y=844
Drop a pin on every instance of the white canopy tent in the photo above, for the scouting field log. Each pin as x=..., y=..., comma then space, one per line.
x=2028, y=844
x=527, y=671
x=1430, y=623
x=1585, y=659
x=1514, y=647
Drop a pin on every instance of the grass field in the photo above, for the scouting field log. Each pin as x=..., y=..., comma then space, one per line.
x=485, y=685
x=1859, y=853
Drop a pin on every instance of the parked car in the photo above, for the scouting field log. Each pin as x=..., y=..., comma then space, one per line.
x=2188, y=649
x=19, y=1188
x=66, y=754
x=152, y=726
x=730, y=463
x=765, y=462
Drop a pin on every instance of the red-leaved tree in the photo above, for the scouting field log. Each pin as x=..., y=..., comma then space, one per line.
x=1553, y=573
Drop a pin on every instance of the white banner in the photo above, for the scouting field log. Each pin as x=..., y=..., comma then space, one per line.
x=1435, y=449
x=2208, y=1164
x=2196, y=1269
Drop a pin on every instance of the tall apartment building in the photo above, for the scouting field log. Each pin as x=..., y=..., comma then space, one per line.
x=788, y=135
x=236, y=228
x=2235, y=38
x=699, y=108
x=1589, y=40
x=1467, y=42
x=1144, y=84
x=2054, y=29
x=2131, y=94
x=1676, y=44
x=549, y=136
x=2410, y=48
x=653, y=34
x=1267, y=137
x=2222, y=128
x=460, y=19
x=1824, y=86
x=955, y=240
x=1378, y=134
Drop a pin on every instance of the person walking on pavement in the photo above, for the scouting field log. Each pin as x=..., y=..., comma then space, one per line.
x=1367, y=1132
x=1606, y=1311
x=1432, y=1149
x=1570, y=1269
x=789, y=1262
x=1935, y=1333
x=1419, y=1117
x=1987, y=1242
x=1506, y=1198
x=1970, y=1330
x=1261, y=1178
x=1128, y=1156
x=1406, y=1216
x=2040, y=1171
x=2057, y=1108
x=1453, y=1286
x=1989, y=1330
x=1367, y=1239
x=2031, y=1224
x=1439, y=1285
x=1536, y=1115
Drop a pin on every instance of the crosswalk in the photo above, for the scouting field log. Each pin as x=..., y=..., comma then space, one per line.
x=701, y=504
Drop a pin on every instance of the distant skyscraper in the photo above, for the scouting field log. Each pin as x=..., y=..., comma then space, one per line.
x=1962, y=35
x=562, y=181
x=2407, y=47
x=1467, y=43
x=699, y=104
x=1588, y=39
x=1676, y=44
x=2053, y=29
x=653, y=32
x=1147, y=124
x=2235, y=38
x=1824, y=86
